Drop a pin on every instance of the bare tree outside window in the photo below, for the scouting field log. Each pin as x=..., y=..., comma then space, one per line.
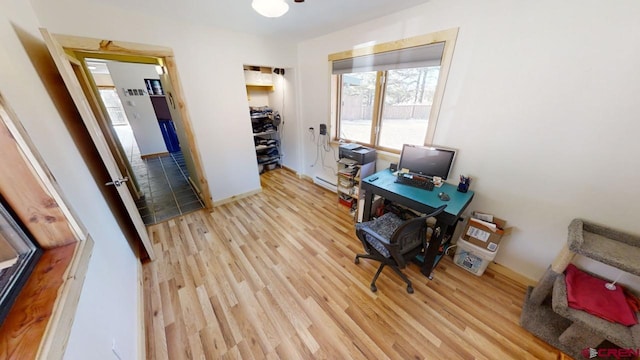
x=406, y=105
x=408, y=97
x=356, y=106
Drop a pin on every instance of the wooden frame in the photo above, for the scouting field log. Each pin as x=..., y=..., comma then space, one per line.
x=70, y=69
x=447, y=36
x=30, y=190
x=135, y=52
x=39, y=324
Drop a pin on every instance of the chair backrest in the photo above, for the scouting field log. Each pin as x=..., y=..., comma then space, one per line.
x=412, y=233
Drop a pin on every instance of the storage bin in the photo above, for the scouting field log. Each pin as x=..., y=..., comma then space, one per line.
x=473, y=258
x=346, y=201
x=168, y=130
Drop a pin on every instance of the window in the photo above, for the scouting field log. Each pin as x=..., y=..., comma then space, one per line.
x=389, y=94
x=112, y=102
x=356, y=105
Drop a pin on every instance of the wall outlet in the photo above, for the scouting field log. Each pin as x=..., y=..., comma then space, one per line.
x=323, y=129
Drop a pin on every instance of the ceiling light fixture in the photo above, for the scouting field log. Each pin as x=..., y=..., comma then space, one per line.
x=270, y=8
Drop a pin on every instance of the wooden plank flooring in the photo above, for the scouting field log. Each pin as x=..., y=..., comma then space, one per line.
x=272, y=276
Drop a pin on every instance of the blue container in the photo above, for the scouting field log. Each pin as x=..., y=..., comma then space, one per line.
x=169, y=135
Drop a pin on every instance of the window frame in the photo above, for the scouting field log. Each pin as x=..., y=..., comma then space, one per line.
x=121, y=107
x=448, y=37
x=39, y=322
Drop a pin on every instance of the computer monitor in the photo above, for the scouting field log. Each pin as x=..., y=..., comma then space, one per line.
x=427, y=160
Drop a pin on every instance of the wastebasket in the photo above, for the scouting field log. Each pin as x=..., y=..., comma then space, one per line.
x=472, y=258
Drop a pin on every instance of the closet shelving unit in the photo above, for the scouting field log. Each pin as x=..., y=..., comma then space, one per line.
x=266, y=140
x=265, y=121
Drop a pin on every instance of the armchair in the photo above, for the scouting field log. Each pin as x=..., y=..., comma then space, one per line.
x=393, y=242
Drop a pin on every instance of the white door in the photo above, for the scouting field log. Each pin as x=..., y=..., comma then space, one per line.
x=90, y=121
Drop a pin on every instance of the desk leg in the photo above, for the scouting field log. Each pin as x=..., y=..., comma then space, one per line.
x=368, y=200
x=432, y=250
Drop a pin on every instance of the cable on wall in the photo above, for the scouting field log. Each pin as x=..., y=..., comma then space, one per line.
x=323, y=146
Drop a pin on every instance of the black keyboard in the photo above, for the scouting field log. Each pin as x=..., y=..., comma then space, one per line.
x=415, y=181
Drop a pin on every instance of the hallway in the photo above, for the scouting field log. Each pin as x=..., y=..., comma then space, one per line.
x=163, y=180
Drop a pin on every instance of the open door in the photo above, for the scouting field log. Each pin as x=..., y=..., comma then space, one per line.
x=181, y=132
x=117, y=180
x=101, y=114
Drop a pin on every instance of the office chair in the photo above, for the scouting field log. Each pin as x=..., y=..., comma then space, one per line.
x=393, y=242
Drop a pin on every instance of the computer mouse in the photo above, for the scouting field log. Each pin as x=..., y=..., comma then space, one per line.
x=444, y=196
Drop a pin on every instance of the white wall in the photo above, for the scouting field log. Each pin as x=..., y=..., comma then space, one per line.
x=138, y=109
x=258, y=97
x=108, y=303
x=283, y=100
x=210, y=63
x=541, y=102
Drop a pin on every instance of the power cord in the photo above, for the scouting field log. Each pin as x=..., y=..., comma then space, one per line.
x=323, y=146
x=453, y=246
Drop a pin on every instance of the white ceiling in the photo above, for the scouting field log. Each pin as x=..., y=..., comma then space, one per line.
x=304, y=20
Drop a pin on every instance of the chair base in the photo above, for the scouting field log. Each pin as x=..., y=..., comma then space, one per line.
x=384, y=263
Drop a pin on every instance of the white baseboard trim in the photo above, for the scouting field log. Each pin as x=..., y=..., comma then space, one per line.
x=515, y=276
x=235, y=197
x=325, y=184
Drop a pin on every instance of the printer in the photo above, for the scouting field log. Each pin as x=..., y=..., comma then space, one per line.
x=357, y=153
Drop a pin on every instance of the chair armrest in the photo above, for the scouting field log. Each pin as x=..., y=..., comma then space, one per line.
x=437, y=211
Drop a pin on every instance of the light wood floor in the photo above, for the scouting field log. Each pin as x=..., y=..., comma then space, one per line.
x=272, y=276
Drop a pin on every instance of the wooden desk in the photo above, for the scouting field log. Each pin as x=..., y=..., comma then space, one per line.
x=383, y=184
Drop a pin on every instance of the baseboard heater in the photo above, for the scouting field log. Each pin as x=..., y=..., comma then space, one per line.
x=325, y=184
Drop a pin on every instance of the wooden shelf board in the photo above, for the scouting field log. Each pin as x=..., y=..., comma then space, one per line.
x=28, y=319
x=605, y=245
x=265, y=133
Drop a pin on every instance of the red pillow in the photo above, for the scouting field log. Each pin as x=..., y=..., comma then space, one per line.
x=588, y=293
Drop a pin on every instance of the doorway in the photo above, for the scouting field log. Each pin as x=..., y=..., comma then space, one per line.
x=137, y=113
x=66, y=52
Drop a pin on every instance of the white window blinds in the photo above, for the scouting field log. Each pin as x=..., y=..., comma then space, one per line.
x=413, y=57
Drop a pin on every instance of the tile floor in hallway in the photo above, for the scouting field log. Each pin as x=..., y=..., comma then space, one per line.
x=163, y=180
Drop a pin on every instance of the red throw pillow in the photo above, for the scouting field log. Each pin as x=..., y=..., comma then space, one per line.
x=588, y=293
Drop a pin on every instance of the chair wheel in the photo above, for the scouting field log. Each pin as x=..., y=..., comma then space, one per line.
x=410, y=289
x=357, y=260
x=373, y=288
